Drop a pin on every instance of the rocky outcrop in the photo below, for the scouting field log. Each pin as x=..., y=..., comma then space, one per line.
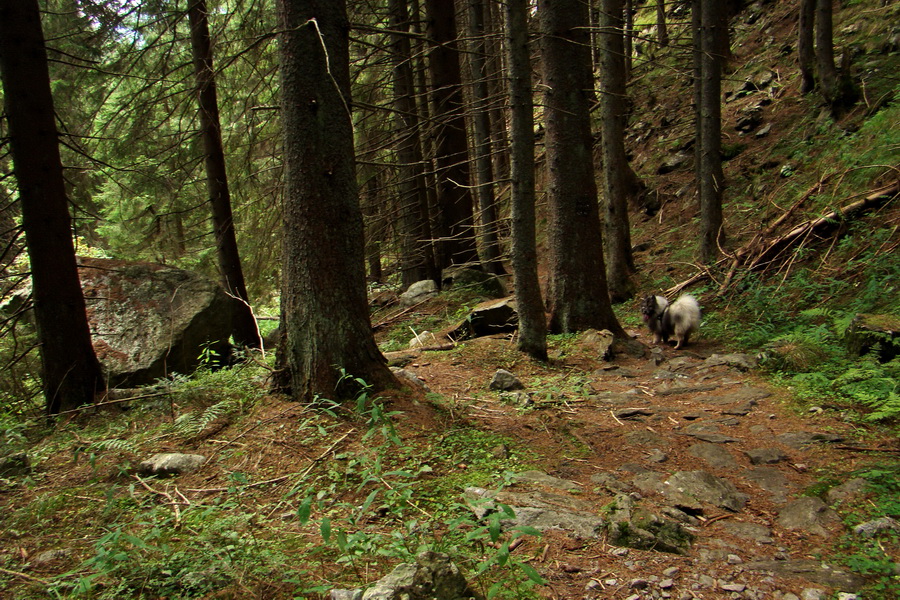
x=149, y=321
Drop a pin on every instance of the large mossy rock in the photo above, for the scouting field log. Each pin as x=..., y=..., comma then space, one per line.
x=868, y=331
x=149, y=321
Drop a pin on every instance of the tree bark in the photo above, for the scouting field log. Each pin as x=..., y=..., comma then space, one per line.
x=497, y=91
x=417, y=259
x=828, y=77
x=617, y=232
x=578, y=297
x=532, y=320
x=712, y=182
x=806, y=52
x=243, y=324
x=481, y=127
x=628, y=38
x=70, y=370
x=662, y=32
x=324, y=304
x=455, y=213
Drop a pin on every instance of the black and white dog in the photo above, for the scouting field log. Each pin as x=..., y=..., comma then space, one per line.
x=681, y=318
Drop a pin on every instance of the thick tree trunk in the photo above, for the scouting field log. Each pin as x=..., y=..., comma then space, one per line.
x=324, y=305
x=712, y=182
x=806, y=52
x=70, y=370
x=578, y=297
x=457, y=246
x=619, y=260
x=417, y=260
x=662, y=32
x=481, y=127
x=532, y=321
x=243, y=325
x=828, y=78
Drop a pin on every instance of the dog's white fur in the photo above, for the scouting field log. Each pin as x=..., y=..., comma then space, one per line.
x=681, y=318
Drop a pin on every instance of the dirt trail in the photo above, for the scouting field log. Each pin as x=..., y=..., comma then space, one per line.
x=626, y=428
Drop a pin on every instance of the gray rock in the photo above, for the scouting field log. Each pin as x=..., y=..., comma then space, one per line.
x=743, y=394
x=409, y=376
x=541, y=478
x=812, y=570
x=149, y=321
x=346, y=594
x=742, y=362
x=629, y=413
x=15, y=465
x=772, y=480
x=741, y=410
x=633, y=527
x=800, y=439
x=878, y=526
x=706, y=488
x=423, y=340
x=714, y=454
x=765, y=456
x=505, y=381
x=813, y=594
x=598, y=343
x=580, y=525
x=432, y=577
x=610, y=483
x=419, y=292
x=171, y=463
x=849, y=489
x=674, y=162
x=49, y=556
x=808, y=514
x=749, y=531
x=488, y=318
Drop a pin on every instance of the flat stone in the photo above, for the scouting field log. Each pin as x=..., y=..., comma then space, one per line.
x=171, y=463
x=812, y=570
x=771, y=480
x=541, y=478
x=765, y=456
x=714, y=454
x=808, y=514
x=749, y=531
x=705, y=487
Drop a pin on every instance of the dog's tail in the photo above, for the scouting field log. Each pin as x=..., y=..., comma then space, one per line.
x=685, y=317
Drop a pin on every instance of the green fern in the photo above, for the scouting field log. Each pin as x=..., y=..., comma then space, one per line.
x=193, y=423
x=875, y=385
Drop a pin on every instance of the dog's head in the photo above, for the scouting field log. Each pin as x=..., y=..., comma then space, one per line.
x=649, y=309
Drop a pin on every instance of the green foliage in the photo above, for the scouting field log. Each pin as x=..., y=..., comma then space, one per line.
x=875, y=557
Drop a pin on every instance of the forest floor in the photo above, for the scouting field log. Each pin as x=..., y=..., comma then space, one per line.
x=594, y=428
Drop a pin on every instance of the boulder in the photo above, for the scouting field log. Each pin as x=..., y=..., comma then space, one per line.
x=149, y=321
x=418, y=292
x=432, y=577
x=488, y=318
x=171, y=463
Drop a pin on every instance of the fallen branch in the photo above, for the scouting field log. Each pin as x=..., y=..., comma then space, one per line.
x=172, y=501
x=25, y=576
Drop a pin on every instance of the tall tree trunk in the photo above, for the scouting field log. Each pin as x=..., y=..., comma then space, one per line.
x=451, y=151
x=806, y=52
x=374, y=226
x=662, y=32
x=828, y=77
x=532, y=321
x=578, y=297
x=619, y=260
x=500, y=153
x=324, y=305
x=417, y=260
x=481, y=127
x=243, y=324
x=712, y=182
x=70, y=370
x=696, y=78
x=629, y=37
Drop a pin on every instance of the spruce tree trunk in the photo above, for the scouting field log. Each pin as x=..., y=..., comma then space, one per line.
x=806, y=52
x=457, y=244
x=417, y=259
x=324, y=305
x=481, y=121
x=828, y=77
x=497, y=90
x=577, y=297
x=243, y=324
x=662, y=32
x=532, y=321
x=712, y=182
x=70, y=370
x=619, y=260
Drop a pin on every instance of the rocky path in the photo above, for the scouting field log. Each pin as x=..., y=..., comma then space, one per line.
x=679, y=476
